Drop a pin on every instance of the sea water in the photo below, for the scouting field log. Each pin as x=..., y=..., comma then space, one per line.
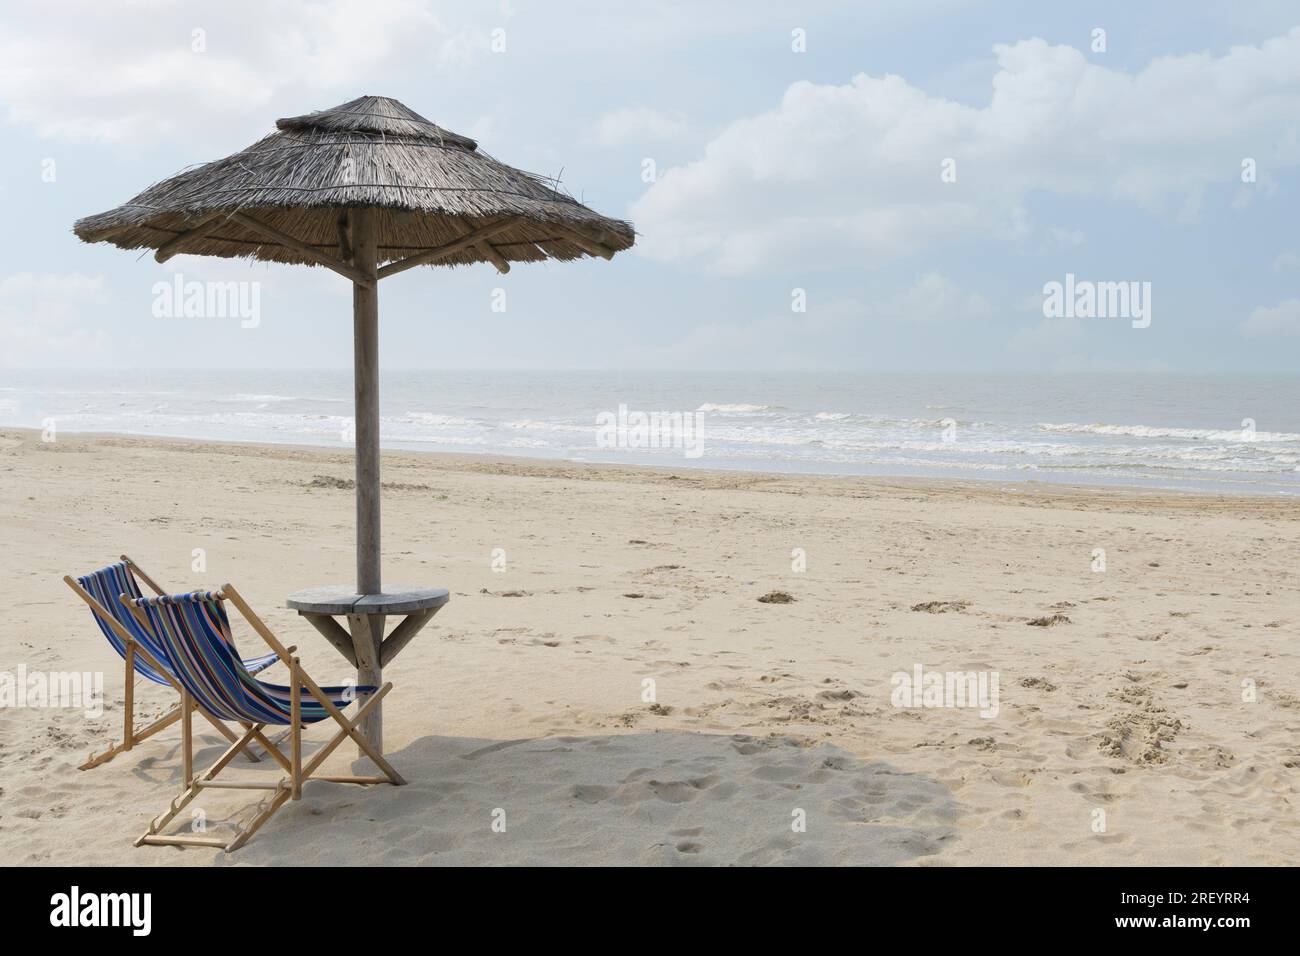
x=1238, y=433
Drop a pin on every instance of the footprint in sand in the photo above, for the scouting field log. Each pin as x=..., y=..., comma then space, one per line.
x=680, y=791
x=591, y=793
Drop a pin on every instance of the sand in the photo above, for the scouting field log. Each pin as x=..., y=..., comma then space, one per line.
x=1121, y=734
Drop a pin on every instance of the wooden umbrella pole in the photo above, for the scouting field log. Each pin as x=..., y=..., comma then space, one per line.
x=365, y=321
x=365, y=308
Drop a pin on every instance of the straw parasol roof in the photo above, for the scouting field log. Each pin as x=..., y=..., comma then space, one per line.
x=437, y=198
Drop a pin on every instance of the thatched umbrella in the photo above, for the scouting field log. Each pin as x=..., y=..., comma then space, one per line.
x=369, y=189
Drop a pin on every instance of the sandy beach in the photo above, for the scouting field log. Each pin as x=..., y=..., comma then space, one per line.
x=1146, y=713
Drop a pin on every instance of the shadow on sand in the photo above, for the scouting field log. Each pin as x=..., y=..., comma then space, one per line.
x=659, y=798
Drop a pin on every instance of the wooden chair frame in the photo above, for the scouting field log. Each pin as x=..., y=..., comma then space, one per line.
x=286, y=788
x=130, y=735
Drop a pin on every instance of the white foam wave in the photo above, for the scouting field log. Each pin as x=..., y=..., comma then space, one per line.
x=433, y=418
x=255, y=397
x=1156, y=431
x=737, y=407
x=566, y=427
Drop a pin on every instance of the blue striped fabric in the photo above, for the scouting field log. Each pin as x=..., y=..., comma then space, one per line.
x=195, y=633
x=105, y=586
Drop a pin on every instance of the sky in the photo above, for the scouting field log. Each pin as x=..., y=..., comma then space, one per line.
x=876, y=186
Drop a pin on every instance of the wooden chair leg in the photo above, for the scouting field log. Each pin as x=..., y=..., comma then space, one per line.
x=177, y=805
x=192, y=789
x=350, y=730
x=284, y=789
x=154, y=836
x=129, y=736
x=251, y=733
x=163, y=722
x=371, y=751
x=128, y=708
x=187, y=737
x=295, y=713
x=281, y=796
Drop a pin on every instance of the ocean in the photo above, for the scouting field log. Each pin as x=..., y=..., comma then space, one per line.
x=1238, y=434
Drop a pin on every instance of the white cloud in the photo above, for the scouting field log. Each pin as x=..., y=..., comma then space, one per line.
x=781, y=341
x=50, y=287
x=1280, y=319
x=843, y=175
x=935, y=298
x=1066, y=237
x=639, y=124
x=48, y=320
x=140, y=74
x=1286, y=260
x=817, y=338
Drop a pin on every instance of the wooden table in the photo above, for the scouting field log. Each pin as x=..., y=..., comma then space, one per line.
x=363, y=643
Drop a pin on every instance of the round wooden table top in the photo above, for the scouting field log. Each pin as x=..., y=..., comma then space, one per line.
x=339, y=600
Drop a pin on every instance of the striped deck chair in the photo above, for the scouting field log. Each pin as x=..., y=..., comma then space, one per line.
x=194, y=633
x=143, y=656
